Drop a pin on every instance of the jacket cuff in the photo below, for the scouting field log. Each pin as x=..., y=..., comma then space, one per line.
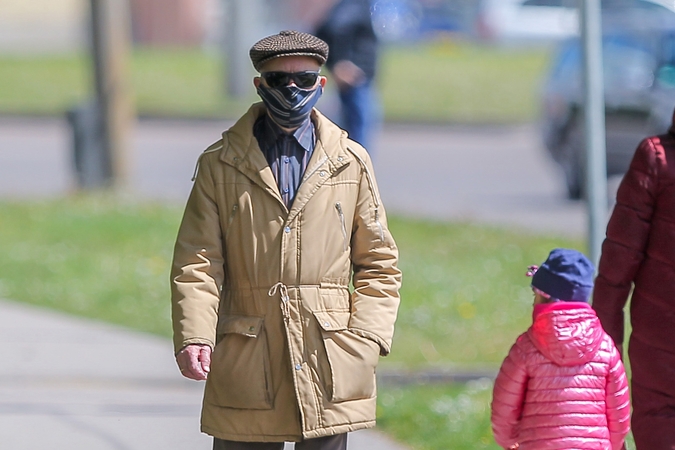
x=191, y=341
x=385, y=348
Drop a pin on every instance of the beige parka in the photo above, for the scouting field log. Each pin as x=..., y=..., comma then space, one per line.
x=295, y=351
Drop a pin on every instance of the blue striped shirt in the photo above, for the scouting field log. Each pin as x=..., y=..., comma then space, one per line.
x=286, y=154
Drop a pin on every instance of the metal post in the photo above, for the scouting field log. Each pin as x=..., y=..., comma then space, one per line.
x=596, y=162
x=244, y=28
x=111, y=42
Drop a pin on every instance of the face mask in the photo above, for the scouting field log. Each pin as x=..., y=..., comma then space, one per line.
x=289, y=106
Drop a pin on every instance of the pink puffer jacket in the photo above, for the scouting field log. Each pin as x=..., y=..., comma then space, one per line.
x=562, y=385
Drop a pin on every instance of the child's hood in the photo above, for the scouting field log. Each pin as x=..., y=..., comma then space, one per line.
x=567, y=333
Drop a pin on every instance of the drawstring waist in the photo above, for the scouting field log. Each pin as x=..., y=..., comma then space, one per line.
x=283, y=290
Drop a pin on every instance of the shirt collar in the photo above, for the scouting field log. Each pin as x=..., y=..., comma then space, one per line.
x=304, y=134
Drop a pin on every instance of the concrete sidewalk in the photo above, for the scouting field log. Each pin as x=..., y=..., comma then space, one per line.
x=68, y=383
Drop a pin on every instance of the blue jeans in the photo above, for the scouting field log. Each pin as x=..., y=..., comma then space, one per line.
x=360, y=113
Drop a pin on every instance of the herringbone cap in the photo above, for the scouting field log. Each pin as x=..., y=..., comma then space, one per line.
x=288, y=43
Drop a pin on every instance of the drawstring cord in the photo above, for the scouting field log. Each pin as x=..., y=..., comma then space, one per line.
x=283, y=290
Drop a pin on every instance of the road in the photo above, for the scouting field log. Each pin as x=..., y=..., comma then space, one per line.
x=496, y=175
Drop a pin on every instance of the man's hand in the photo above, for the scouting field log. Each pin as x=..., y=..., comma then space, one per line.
x=194, y=361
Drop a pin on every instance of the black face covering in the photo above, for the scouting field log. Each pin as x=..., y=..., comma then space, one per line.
x=289, y=106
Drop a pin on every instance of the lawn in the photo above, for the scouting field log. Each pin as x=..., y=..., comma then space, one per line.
x=465, y=296
x=464, y=299
x=437, y=81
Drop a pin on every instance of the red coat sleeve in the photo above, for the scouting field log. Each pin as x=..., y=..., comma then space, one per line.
x=627, y=233
x=617, y=401
x=508, y=396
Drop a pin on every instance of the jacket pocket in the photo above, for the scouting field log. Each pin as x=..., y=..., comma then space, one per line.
x=351, y=359
x=240, y=374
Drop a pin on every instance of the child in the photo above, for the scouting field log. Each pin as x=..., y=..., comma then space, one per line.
x=562, y=385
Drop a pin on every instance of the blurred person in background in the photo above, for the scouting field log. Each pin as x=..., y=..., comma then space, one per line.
x=283, y=215
x=348, y=30
x=563, y=384
x=639, y=253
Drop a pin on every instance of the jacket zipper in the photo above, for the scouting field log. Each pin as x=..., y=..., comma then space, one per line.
x=342, y=224
x=379, y=224
x=373, y=192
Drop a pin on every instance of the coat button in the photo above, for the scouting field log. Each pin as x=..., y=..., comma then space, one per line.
x=287, y=230
x=251, y=328
x=322, y=173
x=326, y=324
x=339, y=158
x=298, y=367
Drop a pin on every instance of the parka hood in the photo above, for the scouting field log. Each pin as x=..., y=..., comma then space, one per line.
x=568, y=333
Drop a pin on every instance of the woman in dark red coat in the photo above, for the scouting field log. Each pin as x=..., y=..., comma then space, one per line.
x=640, y=250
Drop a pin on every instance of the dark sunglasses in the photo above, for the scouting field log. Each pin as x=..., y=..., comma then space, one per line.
x=303, y=80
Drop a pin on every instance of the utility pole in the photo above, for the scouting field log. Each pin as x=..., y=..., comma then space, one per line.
x=594, y=116
x=111, y=42
x=244, y=28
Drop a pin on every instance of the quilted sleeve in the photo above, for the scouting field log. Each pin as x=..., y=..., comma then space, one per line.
x=627, y=233
x=376, y=277
x=198, y=265
x=508, y=397
x=617, y=401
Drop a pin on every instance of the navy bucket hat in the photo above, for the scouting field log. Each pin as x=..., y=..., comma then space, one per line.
x=565, y=275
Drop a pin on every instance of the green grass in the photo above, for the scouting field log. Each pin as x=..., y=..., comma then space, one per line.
x=90, y=256
x=441, y=417
x=439, y=81
x=458, y=82
x=464, y=297
x=42, y=84
x=438, y=417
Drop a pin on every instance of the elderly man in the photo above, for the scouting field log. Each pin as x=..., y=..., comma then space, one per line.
x=283, y=214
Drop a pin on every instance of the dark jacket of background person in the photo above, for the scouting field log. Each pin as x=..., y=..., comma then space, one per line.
x=562, y=385
x=639, y=251
x=348, y=31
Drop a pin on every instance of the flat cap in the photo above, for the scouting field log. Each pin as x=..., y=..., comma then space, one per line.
x=288, y=43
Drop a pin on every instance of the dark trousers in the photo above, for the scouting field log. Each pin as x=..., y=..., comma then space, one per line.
x=337, y=442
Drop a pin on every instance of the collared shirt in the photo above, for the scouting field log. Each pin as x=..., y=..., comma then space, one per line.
x=286, y=154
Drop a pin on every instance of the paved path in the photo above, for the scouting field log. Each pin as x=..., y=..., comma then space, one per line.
x=68, y=383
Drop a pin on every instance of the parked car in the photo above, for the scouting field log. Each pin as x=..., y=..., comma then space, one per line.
x=638, y=98
x=414, y=20
x=528, y=21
